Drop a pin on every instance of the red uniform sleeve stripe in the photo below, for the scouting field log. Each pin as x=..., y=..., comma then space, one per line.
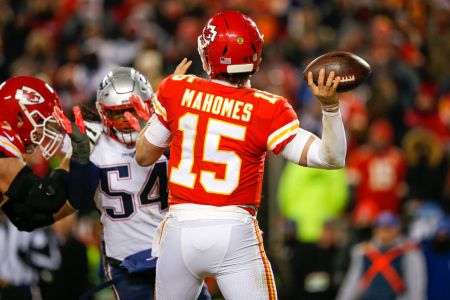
x=160, y=110
x=281, y=134
x=8, y=148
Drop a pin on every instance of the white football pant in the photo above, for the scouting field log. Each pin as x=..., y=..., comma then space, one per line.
x=198, y=241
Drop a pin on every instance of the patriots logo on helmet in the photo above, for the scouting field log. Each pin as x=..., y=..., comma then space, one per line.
x=28, y=96
x=104, y=82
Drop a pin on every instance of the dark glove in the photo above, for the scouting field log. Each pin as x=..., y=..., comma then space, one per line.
x=80, y=146
x=86, y=176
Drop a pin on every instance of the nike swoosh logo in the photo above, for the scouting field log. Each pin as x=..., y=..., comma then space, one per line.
x=11, y=138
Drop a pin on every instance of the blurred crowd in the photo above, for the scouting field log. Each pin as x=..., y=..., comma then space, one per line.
x=390, y=203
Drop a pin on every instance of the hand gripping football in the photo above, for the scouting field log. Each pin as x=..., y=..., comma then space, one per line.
x=352, y=69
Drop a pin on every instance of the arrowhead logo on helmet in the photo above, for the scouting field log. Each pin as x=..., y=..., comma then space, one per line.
x=28, y=96
x=210, y=33
x=208, y=36
x=27, y=105
x=230, y=43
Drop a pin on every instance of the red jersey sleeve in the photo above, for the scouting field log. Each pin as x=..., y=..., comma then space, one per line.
x=10, y=143
x=283, y=125
x=159, y=102
x=169, y=88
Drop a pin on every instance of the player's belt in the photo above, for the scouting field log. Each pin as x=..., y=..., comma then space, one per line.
x=185, y=212
x=250, y=208
x=112, y=261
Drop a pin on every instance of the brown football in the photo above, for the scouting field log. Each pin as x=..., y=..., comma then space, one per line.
x=352, y=69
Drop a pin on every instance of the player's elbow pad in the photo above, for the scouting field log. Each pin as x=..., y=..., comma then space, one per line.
x=42, y=194
x=82, y=183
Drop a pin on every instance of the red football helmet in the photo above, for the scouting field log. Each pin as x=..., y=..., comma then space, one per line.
x=230, y=43
x=27, y=105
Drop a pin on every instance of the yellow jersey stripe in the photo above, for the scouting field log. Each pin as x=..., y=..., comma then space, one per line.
x=282, y=136
x=10, y=147
x=160, y=109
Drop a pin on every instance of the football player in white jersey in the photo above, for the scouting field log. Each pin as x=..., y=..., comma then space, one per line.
x=132, y=199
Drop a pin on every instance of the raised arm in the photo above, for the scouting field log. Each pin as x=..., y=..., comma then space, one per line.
x=152, y=142
x=154, y=139
x=327, y=152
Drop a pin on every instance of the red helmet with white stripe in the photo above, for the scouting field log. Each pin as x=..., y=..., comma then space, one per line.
x=27, y=104
x=230, y=43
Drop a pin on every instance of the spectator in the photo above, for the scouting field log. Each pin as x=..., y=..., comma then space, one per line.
x=427, y=166
x=425, y=112
x=363, y=217
x=425, y=218
x=377, y=169
x=321, y=196
x=312, y=266
x=387, y=267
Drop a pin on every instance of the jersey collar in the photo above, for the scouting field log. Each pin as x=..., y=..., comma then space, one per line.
x=226, y=83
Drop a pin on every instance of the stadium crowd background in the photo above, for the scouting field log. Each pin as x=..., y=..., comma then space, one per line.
x=398, y=121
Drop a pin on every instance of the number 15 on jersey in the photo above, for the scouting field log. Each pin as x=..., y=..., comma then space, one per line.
x=215, y=130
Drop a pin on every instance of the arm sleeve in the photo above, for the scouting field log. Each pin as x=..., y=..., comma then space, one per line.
x=326, y=153
x=26, y=218
x=82, y=183
x=157, y=134
x=46, y=195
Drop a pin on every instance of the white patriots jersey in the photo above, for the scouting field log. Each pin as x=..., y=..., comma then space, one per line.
x=132, y=199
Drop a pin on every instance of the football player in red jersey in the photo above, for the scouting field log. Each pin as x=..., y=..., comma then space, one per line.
x=27, y=121
x=377, y=169
x=219, y=132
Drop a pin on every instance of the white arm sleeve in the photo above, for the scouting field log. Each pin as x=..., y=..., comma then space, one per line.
x=157, y=134
x=326, y=153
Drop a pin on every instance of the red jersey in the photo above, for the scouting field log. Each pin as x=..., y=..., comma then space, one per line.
x=378, y=176
x=220, y=136
x=10, y=145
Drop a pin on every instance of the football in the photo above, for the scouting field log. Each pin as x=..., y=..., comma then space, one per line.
x=352, y=69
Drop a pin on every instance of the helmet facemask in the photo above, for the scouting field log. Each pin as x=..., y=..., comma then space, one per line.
x=116, y=125
x=46, y=133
